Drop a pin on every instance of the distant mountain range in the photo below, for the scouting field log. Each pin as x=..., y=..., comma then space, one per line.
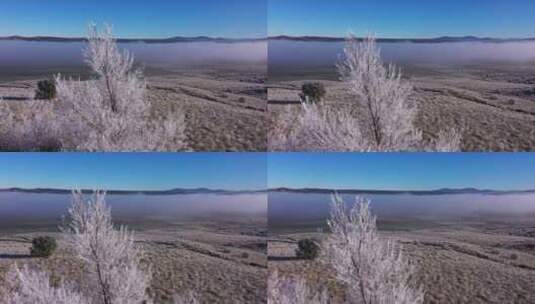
x=178, y=39
x=144, y=192
x=135, y=40
x=443, y=39
x=442, y=191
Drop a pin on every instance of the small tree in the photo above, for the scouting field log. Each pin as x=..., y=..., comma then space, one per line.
x=43, y=246
x=111, y=112
x=111, y=263
x=114, y=273
x=313, y=91
x=390, y=116
x=307, y=249
x=374, y=268
x=46, y=89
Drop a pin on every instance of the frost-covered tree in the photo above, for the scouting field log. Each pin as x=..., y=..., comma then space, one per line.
x=111, y=112
x=390, y=115
x=389, y=120
x=386, y=121
x=112, y=270
x=33, y=286
x=374, y=269
x=295, y=290
x=111, y=261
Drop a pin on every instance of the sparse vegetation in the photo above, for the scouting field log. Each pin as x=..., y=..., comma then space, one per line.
x=307, y=249
x=43, y=246
x=46, y=89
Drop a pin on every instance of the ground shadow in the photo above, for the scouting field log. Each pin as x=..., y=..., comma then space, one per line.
x=13, y=98
x=283, y=258
x=16, y=240
x=284, y=102
x=15, y=256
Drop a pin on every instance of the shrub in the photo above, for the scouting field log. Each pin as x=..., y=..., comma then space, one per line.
x=307, y=249
x=46, y=89
x=316, y=128
x=33, y=286
x=293, y=290
x=43, y=246
x=313, y=91
x=29, y=126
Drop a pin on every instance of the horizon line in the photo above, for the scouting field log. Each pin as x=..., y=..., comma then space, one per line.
x=4, y=189
x=281, y=188
x=78, y=38
x=325, y=189
x=267, y=37
x=312, y=36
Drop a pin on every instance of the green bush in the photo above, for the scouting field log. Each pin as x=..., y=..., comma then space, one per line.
x=43, y=246
x=46, y=89
x=315, y=91
x=307, y=249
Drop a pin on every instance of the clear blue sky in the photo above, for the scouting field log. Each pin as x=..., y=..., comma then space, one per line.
x=402, y=18
x=137, y=171
x=136, y=18
x=408, y=171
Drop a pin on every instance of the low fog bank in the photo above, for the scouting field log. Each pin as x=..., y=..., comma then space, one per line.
x=300, y=54
x=33, y=54
x=299, y=207
x=27, y=208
